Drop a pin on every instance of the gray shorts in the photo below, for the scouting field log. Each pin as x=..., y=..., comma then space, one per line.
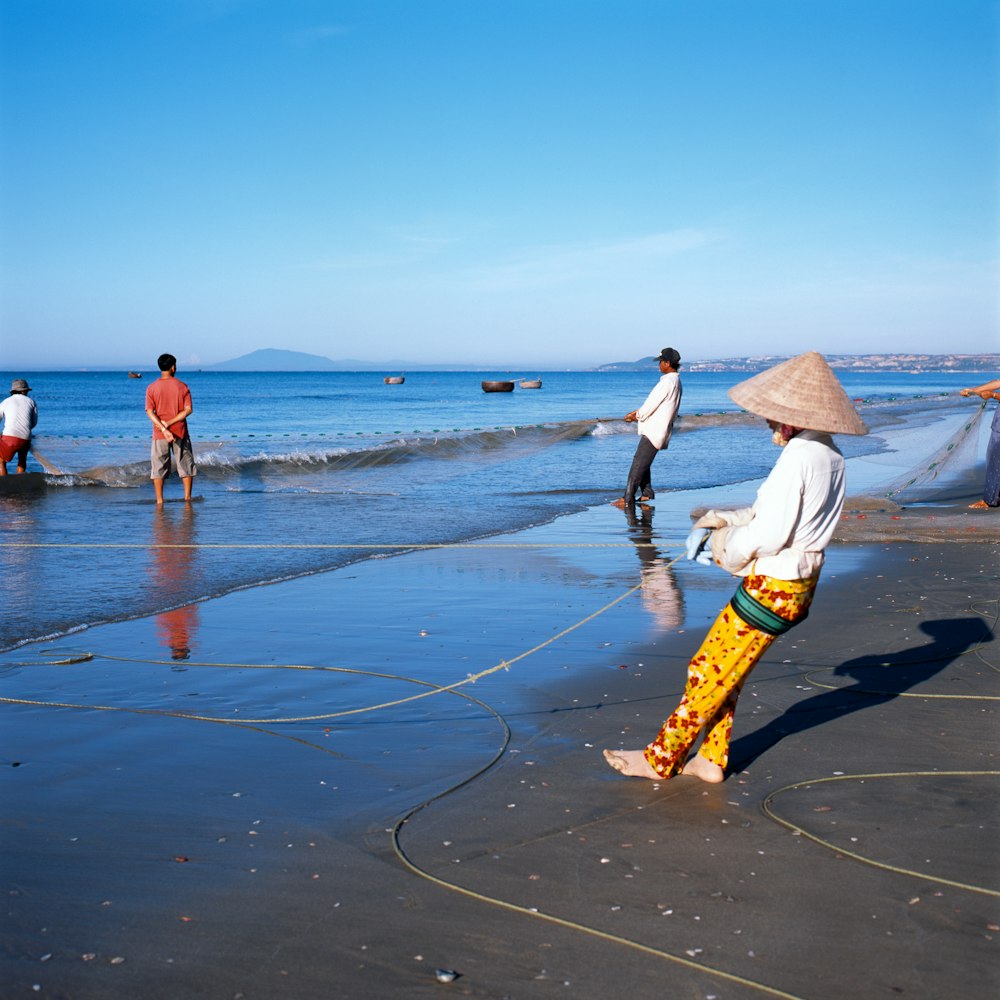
x=159, y=458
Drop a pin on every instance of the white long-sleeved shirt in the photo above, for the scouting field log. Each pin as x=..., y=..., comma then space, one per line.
x=656, y=415
x=19, y=415
x=794, y=516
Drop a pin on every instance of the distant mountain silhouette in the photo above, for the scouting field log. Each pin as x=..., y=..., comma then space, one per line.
x=271, y=359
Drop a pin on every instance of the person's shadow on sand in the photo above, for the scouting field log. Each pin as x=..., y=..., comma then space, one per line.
x=878, y=679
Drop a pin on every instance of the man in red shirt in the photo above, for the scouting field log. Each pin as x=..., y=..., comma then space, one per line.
x=168, y=405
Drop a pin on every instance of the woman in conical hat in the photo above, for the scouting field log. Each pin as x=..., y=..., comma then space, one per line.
x=776, y=548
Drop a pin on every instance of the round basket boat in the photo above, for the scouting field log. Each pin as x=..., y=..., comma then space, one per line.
x=394, y=379
x=498, y=386
x=530, y=383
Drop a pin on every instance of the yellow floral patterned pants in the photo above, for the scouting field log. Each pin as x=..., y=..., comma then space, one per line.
x=716, y=674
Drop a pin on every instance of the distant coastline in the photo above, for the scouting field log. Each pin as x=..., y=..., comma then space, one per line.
x=272, y=360
x=911, y=363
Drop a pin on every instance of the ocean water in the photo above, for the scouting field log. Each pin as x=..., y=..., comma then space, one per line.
x=303, y=472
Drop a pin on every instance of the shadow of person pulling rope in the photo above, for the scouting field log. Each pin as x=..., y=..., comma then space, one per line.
x=878, y=678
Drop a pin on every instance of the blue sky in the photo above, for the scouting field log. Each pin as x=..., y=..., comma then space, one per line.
x=498, y=182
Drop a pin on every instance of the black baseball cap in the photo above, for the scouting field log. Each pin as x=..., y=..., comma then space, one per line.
x=670, y=355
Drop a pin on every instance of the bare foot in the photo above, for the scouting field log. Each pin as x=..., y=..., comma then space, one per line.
x=619, y=503
x=698, y=767
x=979, y=505
x=633, y=763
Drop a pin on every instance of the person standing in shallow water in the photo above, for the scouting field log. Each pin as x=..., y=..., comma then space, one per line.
x=991, y=487
x=777, y=549
x=656, y=421
x=168, y=405
x=19, y=415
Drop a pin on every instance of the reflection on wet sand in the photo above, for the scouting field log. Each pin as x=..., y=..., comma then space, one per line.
x=19, y=561
x=660, y=595
x=176, y=630
x=172, y=571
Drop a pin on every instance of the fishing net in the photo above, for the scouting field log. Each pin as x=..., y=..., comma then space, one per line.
x=957, y=453
x=928, y=502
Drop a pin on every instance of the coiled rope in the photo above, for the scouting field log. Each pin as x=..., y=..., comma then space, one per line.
x=454, y=689
x=767, y=807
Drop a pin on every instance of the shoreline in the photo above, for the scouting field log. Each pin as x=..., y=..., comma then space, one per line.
x=143, y=563
x=241, y=856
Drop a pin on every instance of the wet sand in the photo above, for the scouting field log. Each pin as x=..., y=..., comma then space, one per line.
x=230, y=825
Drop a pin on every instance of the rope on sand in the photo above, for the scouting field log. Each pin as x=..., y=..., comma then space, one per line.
x=766, y=806
x=433, y=688
x=902, y=694
x=561, y=921
x=255, y=724
x=454, y=689
x=397, y=846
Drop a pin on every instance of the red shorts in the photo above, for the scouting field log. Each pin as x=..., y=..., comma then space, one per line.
x=11, y=446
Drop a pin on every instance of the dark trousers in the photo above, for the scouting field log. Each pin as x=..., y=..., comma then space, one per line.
x=638, y=475
x=991, y=488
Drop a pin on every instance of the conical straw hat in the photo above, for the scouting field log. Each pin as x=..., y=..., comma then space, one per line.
x=802, y=392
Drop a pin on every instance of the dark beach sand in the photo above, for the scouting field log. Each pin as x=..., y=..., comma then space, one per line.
x=259, y=851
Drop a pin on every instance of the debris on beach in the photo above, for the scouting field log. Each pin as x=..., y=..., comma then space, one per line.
x=446, y=975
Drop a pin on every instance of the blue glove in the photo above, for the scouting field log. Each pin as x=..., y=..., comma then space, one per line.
x=695, y=546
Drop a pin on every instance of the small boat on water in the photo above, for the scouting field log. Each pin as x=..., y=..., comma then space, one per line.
x=530, y=383
x=135, y=374
x=394, y=379
x=498, y=386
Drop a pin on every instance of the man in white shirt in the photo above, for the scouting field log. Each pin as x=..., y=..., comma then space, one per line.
x=19, y=415
x=656, y=421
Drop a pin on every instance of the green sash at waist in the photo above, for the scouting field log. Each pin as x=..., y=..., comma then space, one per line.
x=759, y=616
